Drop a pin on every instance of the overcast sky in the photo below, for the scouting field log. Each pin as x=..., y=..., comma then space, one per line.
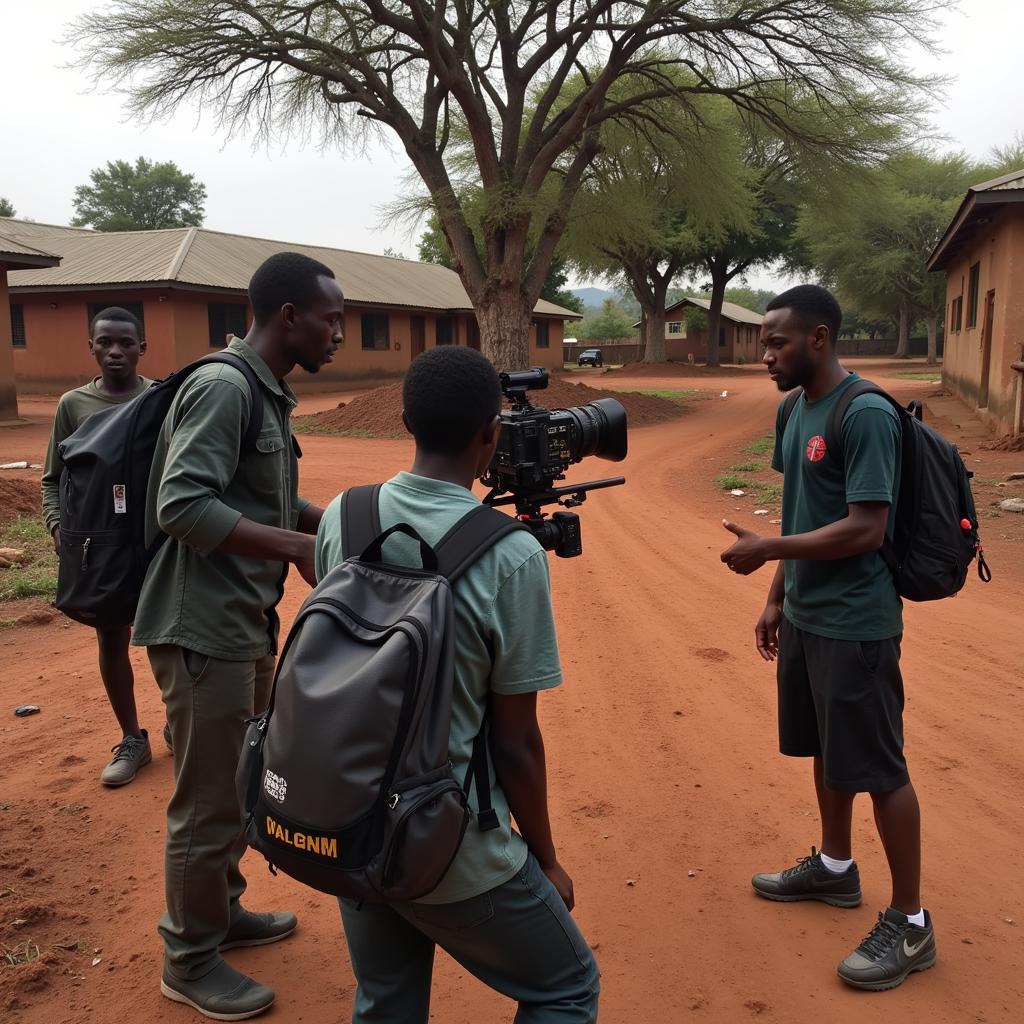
x=54, y=129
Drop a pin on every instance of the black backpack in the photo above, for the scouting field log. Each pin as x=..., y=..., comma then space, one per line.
x=935, y=535
x=345, y=782
x=107, y=463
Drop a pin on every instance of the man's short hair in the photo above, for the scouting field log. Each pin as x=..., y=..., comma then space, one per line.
x=286, y=277
x=450, y=394
x=813, y=305
x=117, y=314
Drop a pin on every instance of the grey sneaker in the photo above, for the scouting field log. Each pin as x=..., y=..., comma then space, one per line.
x=223, y=994
x=253, y=929
x=167, y=738
x=131, y=754
x=893, y=949
x=810, y=880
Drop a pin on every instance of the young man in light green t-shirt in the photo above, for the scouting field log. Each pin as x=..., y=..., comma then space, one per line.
x=115, y=339
x=503, y=908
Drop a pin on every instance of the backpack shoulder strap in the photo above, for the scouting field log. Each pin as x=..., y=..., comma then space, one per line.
x=834, y=426
x=360, y=519
x=255, y=423
x=475, y=533
x=786, y=410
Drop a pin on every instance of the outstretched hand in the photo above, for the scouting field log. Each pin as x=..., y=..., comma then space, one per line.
x=747, y=554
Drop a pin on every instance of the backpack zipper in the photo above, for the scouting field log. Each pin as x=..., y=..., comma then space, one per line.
x=85, y=553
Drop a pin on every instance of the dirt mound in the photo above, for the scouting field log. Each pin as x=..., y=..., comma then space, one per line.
x=378, y=413
x=18, y=497
x=1009, y=443
x=672, y=368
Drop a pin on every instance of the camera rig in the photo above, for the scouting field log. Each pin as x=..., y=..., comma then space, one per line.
x=537, y=446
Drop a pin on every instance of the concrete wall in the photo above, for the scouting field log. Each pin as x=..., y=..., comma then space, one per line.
x=999, y=251
x=56, y=356
x=8, y=390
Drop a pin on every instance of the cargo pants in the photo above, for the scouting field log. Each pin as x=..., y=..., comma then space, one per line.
x=208, y=702
x=518, y=938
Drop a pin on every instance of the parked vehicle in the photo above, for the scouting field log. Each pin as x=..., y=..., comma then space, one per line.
x=590, y=357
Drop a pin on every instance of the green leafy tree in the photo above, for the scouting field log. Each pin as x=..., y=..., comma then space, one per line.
x=416, y=70
x=433, y=248
x=139, y=197
x=648, y=196
x=874, y=241
x=610, y=324
x=6, y=207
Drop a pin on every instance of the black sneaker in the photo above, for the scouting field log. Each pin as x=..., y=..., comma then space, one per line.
x=894, y=949
x=810, y=880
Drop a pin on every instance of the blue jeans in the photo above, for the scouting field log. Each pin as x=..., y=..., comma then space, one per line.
x=518, y=938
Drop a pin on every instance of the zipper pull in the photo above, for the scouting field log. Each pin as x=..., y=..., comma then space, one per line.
x=393, y=800
x=85, y=553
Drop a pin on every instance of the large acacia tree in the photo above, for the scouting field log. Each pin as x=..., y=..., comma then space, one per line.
x=413, y=68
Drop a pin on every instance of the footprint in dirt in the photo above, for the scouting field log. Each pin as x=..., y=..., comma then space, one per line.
x=711, y=653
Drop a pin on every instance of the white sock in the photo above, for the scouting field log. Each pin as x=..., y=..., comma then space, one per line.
x=917, y=918
x=837, y=867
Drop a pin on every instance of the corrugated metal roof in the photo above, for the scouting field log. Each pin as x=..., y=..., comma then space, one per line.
x=730, y=310
x=18, y=250
x=1015, y=179
x=214, y=259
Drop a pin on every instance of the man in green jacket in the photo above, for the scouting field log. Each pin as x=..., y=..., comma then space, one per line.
x=116, y=341
x=206, y=614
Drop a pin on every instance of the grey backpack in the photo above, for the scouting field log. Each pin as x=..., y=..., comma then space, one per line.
x=345, y=781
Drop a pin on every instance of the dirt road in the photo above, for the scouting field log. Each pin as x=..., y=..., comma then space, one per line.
x=663, y=763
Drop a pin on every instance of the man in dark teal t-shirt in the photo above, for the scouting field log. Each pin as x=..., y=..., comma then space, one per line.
x=834, y=623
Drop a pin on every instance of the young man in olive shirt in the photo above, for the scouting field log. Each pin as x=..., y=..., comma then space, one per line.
x=834, y=622
x=116, y=342
x=234, y=521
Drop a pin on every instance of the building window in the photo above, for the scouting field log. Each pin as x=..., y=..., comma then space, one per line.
x=956, y=315
x=18, y=325
x=542, y=333
x=375, y=331
x=444, y=330
x=972, y=295
x=675, y=327
x=225, y=318
x=133, y=307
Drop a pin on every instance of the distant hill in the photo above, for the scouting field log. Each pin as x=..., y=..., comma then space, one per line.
x=593, y=297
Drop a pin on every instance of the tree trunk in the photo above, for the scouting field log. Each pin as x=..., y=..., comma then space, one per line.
x=903, y=337
x=505, y=317
x=719, y=279
x=933, y=337
x=654, y=338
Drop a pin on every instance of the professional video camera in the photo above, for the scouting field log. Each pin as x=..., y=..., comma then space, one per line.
x=535, y=449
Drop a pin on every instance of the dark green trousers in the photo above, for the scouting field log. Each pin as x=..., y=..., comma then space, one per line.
x=208, y=702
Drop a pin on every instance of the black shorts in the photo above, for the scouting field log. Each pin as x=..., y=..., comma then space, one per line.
x=842, y=700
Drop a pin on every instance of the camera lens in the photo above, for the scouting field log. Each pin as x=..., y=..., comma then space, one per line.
x=598, y=428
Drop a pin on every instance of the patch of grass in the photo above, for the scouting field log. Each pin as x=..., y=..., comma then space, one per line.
x=729, y=482
x=38, y=574
x=763, y=445
x=4, y=806
x=23, y=953
x=746, y=467
x=673, y=394
x=299, y=427
x=769, y=493
x=71, y=809
x=930, y=375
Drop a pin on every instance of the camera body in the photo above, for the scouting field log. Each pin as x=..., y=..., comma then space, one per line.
x=537, y=446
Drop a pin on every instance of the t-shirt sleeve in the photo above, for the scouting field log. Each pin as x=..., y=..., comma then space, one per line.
x=54, y=465
x=524, y=645
x=328, y=540
x=871, y=450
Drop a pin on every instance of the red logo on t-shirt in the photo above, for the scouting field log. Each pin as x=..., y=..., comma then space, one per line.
x=816, y=448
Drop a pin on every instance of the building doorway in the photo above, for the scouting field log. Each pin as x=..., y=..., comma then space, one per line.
x=417, y=335
x=986, y=349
